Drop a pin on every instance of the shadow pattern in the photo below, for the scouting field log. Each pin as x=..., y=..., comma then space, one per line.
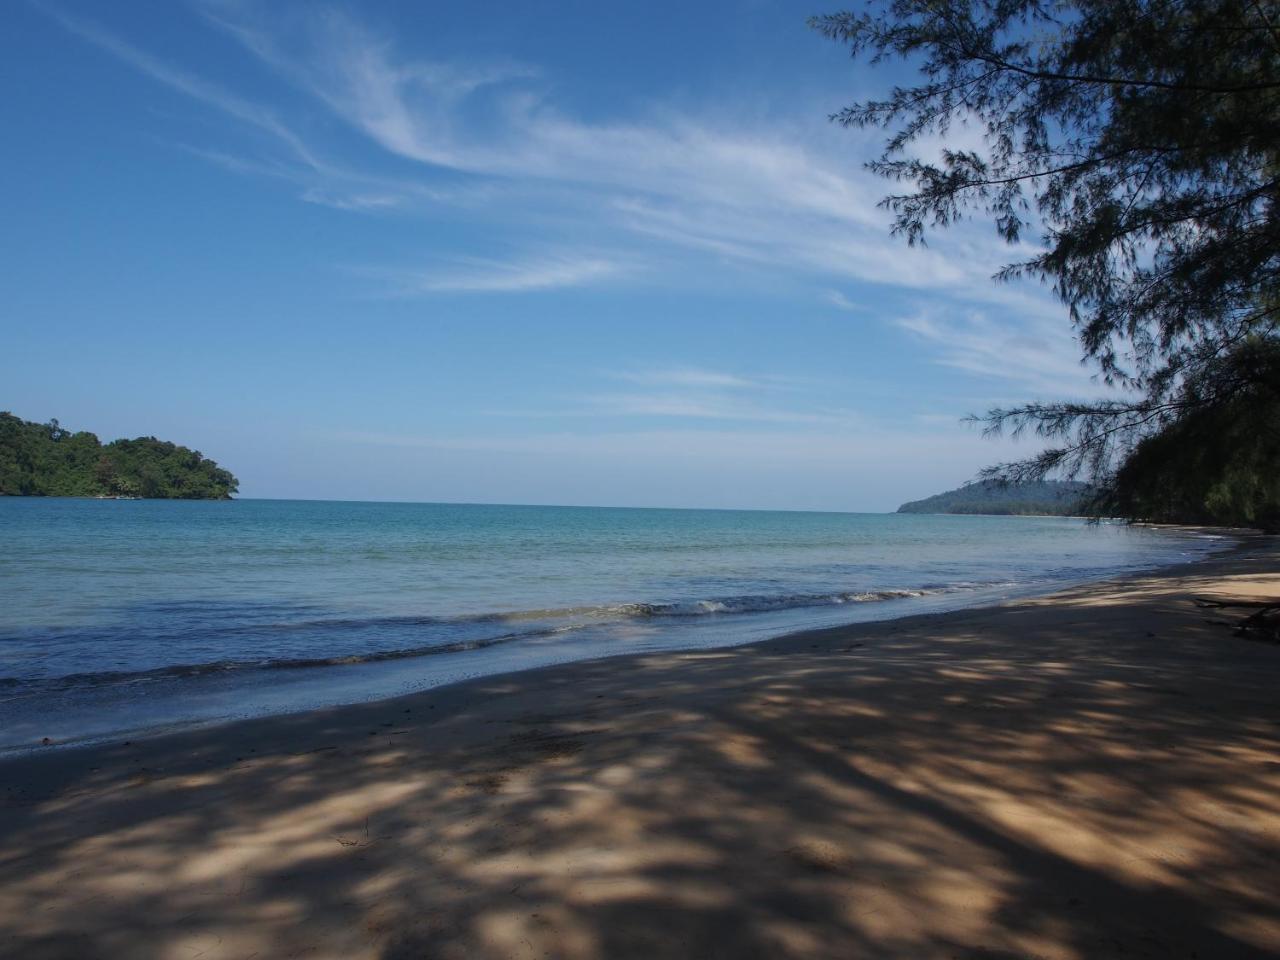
x=1058, y=779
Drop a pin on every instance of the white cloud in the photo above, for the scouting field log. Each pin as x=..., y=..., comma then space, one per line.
x=750, y=196
x=186, y=83
x=702, y=406
x=404, y=106
x=841, y=302
x=696, y=393
x=685, y=377
x=476, y=275
x=773, y=198
x=776, y=201
x=1032, y=352
x=319, y=180
x=705, y=394
x=357, y=201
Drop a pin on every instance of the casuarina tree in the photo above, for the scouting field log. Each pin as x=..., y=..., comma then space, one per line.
x=1135, y=143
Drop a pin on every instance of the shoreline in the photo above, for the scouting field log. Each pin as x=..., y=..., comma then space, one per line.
x=1235, y=539
x=1089, y=773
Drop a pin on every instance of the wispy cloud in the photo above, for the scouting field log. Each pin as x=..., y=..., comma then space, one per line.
x=705, y=394
x=744, y=194
x=841, y=302
x=694, y=393
x=476, y=275
x=774, y=201
x=703, y=407
x=319, y=180
x=407, y=106
x=185, y=83
x=359, y=202
x=686, y=377
x=1034, y=353
x=329, y=185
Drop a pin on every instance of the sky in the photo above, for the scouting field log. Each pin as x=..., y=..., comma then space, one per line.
x=575, y=253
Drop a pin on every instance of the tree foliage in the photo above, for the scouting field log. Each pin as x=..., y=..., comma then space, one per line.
x=1139, y=142
x=44, y=460
x=1217, y=463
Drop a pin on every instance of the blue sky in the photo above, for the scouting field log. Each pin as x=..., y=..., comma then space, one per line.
x=558, y=253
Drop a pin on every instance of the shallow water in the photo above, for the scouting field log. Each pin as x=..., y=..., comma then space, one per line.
x=124, y=616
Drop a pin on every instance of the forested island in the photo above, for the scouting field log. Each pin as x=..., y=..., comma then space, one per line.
x=1059, y=498
x=46, y=460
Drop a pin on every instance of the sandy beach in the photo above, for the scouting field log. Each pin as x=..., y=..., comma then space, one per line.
x=1093, y=774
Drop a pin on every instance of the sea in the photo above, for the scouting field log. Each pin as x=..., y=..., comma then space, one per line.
x=121, y=618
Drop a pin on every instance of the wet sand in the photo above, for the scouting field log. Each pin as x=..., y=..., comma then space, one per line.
x=1094, y=774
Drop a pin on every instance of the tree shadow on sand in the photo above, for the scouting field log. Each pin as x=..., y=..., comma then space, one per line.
x=1099, y=790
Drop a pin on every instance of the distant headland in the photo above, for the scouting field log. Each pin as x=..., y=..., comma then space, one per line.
x=46, y=460
x=1059, y=498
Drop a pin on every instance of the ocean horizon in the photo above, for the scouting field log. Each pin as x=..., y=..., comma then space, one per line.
x=122, y=618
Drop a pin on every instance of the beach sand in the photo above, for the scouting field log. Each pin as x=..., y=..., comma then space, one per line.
x=1095, y=774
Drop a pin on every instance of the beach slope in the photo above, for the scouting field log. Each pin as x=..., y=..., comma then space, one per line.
x=1095, y=774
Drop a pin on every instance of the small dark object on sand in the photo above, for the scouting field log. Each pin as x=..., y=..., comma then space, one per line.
x=1263, y=624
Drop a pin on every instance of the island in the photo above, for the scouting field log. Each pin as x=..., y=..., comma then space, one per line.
x=46, y=460
x=1057, y=498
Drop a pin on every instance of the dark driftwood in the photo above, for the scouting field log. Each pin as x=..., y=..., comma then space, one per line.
x=1211, y=603
x=1263, y=624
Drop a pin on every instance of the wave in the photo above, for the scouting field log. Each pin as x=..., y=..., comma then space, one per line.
x=185, y=670
x=749, y=603
x=760, y=603
x=211, y=623
x=542, y=624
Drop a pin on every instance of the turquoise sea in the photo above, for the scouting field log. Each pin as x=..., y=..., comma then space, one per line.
x=120, y=617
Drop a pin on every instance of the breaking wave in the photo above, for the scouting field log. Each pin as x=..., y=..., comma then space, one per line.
x=539, y=624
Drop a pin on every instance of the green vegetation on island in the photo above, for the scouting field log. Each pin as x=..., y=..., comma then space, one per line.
x=44, y=460
x=1059, y=498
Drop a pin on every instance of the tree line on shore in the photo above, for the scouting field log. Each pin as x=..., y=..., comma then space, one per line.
x=1040, y=498
x=45, y=460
